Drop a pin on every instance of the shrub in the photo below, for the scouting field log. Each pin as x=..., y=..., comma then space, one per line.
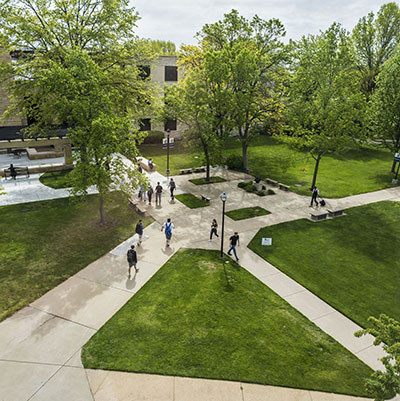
x=154, y=138
x=263, y=187
x=235, y=162
x=271, y=192
x=242, y=184
x=261, y=193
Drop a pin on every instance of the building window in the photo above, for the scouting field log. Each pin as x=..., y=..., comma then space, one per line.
x=171, y=125
x=145, y=124
x=171, y=73
x=144, y=71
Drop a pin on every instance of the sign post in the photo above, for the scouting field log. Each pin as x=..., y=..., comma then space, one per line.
x=396, y=160
x=266, y=241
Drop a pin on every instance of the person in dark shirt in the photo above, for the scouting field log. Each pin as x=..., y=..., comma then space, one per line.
x=132, y=259
x=234, y=240
x=214, y=226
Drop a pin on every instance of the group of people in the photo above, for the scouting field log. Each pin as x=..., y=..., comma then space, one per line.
x=167, y=227
x=145, y=194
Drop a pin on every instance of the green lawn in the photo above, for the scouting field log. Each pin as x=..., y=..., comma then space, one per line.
x=188, y=321
x=351, y=262
x=203, y=181
x=357, y=171
x=191, y=201
x=247, y=213
x=44, y=243
x=55, y=179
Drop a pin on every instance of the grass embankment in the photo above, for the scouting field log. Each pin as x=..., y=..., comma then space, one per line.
x=351, y=262
x=56, y=179
x=201, y=317
x=44, y=243
x=191, y=201
x=354, y=172
x=247, y=213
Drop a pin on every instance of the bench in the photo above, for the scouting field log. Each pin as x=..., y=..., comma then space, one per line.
x=269, y=181
x=185, y=171
x=18, y=170
x=146, y=167
x=137, y=207
x=335, y=212
x=201, y=169
x=319, y=215
x=205, y=199
x=283, y=187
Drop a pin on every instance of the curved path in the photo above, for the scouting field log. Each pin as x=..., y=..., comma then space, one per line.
x=40, y=345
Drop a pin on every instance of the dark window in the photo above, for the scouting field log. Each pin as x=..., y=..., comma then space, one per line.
x=144, y=71
x=171, y=73
x=145, y=124
x=171, y=125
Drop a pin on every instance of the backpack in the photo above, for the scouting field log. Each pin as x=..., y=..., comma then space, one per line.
x=172, y=184
x=168, y=229
x=129, y=255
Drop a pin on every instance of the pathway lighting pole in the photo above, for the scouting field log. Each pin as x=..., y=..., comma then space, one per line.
x=224, y=197
x=168, y=131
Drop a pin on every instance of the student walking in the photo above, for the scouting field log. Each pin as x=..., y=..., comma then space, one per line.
x=168, y=226
x=132, y=260
x=172, y=187
x=214, y=226
x=139, y=230
x=234, y=241
x=159, y=189
x=150, y=193
x=314, y=196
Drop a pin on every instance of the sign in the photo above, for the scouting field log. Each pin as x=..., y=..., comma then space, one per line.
x=165, y=143
x=397, y=157
x=266, y=241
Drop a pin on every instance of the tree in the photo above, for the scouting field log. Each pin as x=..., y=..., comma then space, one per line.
x=77, y=63
x=384, y=106
x=374, y=41
x=325, y=108
x=386, y=331
x=245, y=58
x=163, y=47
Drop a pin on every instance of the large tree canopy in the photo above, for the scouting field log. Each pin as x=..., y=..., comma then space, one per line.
x=78, y=63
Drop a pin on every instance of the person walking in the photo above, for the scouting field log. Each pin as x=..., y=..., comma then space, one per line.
x=315, y=193
x=234, y=241
x=168, y=226
x=159, y=189
x=150, y=193
x=131, y=255
x=172, y=187
x=139, y=230
x=214, y=226
x=144, y=192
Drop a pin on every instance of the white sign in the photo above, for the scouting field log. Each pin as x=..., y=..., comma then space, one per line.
x=266, y=241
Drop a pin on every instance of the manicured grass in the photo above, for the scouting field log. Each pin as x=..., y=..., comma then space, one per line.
x=191, y=201
x=356, y=171
x=44, y=243
x=247, y=213
x=351, y=262
x=55, y=179
x=203, y=181
x=201, y=317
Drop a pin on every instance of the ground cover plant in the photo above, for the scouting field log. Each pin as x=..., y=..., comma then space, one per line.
x=247, y=213
x=203, y=316
x=191, y=201
x=56, y=179
x=44, y=243
x=249, y=186
x=351, y=262
x=203, y=181
x=353, y=172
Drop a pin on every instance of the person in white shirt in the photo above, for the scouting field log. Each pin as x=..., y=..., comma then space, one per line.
x=168, y=226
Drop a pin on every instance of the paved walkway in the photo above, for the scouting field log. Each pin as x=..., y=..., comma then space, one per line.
x=40, y=345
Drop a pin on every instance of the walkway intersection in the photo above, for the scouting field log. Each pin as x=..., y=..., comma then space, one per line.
x=40, y=345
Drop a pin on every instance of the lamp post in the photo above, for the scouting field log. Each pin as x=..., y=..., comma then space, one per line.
x=224, y=197
x=168, y=131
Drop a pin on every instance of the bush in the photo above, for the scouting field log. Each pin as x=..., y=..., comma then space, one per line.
x=261, y=193
x=235, y=162
x=242, y=184
x=154, y=138
x=263, y=187
x=271, y=192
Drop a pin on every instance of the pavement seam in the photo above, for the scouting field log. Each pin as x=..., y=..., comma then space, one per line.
x=326, y=314
x=105, y=285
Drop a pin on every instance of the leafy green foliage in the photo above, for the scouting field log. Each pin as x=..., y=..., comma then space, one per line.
x=203, y=316
x=249, y=186
x=386, y=331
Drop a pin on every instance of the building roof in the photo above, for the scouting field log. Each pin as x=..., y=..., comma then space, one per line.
x=13, y=132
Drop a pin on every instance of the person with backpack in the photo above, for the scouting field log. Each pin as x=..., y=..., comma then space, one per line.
x=214, y=226
x=315, y=193
x=159, y=189
x=168, y=226
x=139, y=230
x=172, y=187
x=150, y=193
x=131, y=255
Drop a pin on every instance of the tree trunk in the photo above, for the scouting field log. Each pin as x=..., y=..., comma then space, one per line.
x=207, y=156
x=101, y=208
x=396, y=150
x=315, y=171
x=244, y=156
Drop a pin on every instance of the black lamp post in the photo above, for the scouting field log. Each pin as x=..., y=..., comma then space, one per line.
x=168, y=131
x=224, y=197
